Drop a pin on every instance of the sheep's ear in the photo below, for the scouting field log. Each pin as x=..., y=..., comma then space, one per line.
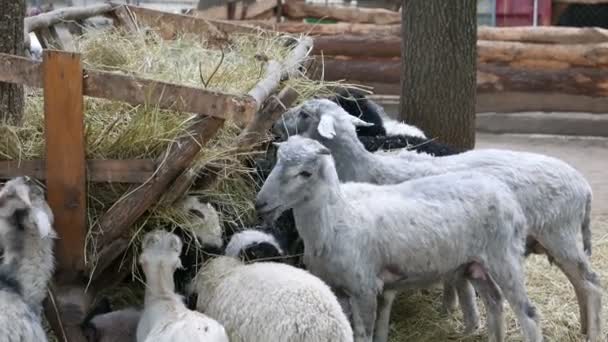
x=20, y=190
x=326, y=127
x=43, y=223
x=176, y=244
x=360, y=123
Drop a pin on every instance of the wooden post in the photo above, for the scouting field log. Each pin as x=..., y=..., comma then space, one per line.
x=65, y=168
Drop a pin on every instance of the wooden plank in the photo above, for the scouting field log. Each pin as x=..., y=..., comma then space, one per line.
x=301, y=10
x=51, y=18
x=116, y=222
x=134, y=90
x=491, y=78
x=65, y=163
x=253, y=10
x=101, y=171
x=168, y=25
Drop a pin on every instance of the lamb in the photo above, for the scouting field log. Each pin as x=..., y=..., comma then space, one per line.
x=205, y=235
x=165, y=317
x=269, y=301
x=104, y=325
x=255, y=244
x=555, y=197
x=25, y=222
x=367, y=240
x=355, y=103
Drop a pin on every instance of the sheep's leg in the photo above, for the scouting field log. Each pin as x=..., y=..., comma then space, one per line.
x=363, y=308
x=492, y=298
x=466, y=298
x=449, y=298
x=509, y=276
x=571, y=259
x=385, y=304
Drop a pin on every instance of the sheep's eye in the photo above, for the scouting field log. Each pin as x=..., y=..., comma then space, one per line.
x=305, y=174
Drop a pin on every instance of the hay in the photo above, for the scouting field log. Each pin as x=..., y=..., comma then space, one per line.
x=120, y=131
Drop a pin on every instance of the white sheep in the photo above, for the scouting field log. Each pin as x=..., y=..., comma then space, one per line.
x=269, y=301
x=165, y=317
x=208, y=229
x=555, y=197
x=364, y=239
x=25, y=223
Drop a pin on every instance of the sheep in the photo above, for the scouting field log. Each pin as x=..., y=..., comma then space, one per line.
x=25, y=223
x=104, y=325
x=165, y=316
x=269, y=301
x=365, y=240
x=555, y=197
x=254, y=244
x=205, y=236
x=355, y=103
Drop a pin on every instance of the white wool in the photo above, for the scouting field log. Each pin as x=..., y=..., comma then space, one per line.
x=394, y=127
x=269, y=301
x=241, y=240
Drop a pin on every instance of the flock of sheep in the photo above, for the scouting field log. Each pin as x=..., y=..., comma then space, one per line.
x=370, y=223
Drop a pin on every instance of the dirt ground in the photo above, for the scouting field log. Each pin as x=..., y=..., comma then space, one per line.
x=416, y=316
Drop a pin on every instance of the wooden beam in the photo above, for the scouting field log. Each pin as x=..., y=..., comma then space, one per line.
x=358, y=46
x=66, y=180
x=136, y=90
x=115, y=223
x=544, y=34
x=168, y=25
x=327, y=29
x=301, y=10
x=490, y=77
x=253, y=10
x=65, y=163
x=99, y=171
x=51, y=18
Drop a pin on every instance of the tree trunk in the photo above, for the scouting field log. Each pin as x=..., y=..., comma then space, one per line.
x=11, y=41
x=438, y=77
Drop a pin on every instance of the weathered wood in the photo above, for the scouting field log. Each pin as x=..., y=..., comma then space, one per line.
x=576, y=81
x=490, y=78
x=102, y=171
x=513, y=102
x=544, y=34
x=20, y=70
x=135, y=90
x=301, y=10
x=117, y=220
x=328, y=29
x=48, y=19
x=268, y=84
x=253, y=10
x=543, y=56
x=168, y=25
x=65, y=163
x=359, y=46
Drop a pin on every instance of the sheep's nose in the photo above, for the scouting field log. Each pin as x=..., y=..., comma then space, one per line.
x=260, y=205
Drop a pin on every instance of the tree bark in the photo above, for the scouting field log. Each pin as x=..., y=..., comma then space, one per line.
x=11, y=41
x=438, y=77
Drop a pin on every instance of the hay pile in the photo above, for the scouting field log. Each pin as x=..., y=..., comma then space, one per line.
x=121, y=131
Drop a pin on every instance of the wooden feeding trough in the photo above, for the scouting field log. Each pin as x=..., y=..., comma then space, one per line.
x=66, y=170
